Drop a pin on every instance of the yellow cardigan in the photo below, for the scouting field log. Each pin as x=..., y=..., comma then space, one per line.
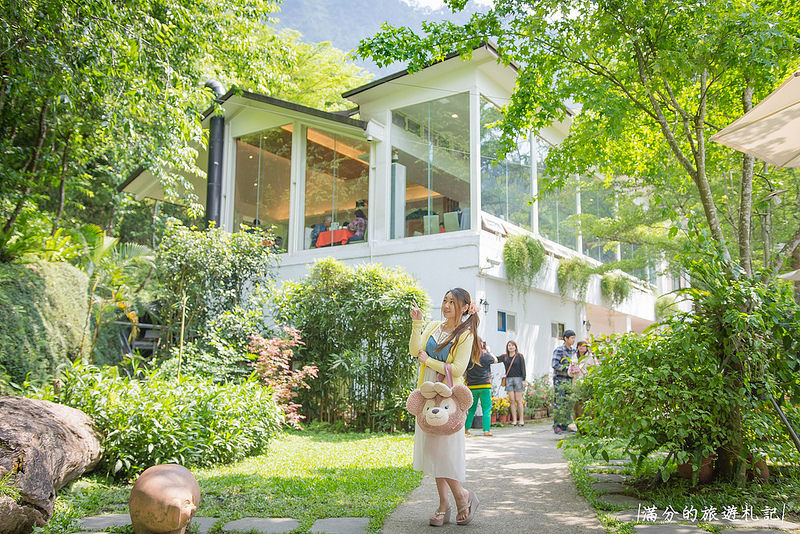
x=458, y=358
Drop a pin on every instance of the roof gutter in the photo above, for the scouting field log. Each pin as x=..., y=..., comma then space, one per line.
x=216, y=144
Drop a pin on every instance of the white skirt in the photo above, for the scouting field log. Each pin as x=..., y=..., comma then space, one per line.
x=439, y=456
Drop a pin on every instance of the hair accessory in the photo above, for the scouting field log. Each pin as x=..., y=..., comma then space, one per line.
x=472, y=309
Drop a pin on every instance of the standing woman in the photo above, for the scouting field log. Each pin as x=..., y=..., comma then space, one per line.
x=455, y=341
x=515, y=381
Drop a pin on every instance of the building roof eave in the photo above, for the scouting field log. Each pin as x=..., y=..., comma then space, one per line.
x=299, y=108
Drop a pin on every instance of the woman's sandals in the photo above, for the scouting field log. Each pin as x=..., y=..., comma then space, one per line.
x=472, y=506
x=440, y=518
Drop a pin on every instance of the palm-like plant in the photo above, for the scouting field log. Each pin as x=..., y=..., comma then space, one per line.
x=111, y=268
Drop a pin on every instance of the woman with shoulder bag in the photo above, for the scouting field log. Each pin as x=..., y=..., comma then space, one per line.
x=514, y=381
x=453, y=341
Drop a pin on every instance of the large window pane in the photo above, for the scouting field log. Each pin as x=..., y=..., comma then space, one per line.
x=555, y=206
x=430, y=190
x=337, y=188
x=261, y=196
x=506, y=190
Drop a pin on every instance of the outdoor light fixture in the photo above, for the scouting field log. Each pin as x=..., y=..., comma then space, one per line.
x=587, y=324
x=485, y=304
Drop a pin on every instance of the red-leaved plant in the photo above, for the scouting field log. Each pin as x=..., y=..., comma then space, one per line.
x=274, y=365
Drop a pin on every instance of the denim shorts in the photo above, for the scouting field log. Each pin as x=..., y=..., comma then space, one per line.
x=514, y=383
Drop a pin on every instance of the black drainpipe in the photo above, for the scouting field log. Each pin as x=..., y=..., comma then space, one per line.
x=216, y=142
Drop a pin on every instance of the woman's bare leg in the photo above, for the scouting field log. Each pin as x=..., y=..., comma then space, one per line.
x=442, y=487
x=460, y=494
x=512, y=397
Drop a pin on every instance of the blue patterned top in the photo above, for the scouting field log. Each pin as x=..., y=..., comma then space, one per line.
x=441, y=355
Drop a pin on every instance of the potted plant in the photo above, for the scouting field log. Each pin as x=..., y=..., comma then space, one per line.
x=501, y=407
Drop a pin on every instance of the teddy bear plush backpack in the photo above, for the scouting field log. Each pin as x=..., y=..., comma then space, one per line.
x=440, y=407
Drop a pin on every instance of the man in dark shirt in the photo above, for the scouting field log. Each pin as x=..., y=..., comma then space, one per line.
x=562, y=381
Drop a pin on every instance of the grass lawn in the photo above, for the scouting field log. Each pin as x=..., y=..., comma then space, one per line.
x=305, y=475
x=782, y=489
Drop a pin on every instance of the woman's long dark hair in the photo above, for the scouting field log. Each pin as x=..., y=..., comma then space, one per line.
x=470, y=324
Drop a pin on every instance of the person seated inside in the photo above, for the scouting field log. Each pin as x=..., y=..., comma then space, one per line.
x=358, y=226
x=319, y=228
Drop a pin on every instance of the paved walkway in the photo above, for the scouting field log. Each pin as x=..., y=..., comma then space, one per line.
x=522, y=481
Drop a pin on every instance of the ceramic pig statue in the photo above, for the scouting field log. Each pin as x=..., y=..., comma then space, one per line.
x=163, y=500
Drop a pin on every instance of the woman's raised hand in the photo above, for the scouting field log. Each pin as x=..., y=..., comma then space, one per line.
x=416, y=313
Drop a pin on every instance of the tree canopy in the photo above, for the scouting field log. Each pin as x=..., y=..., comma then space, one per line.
x=647, y=83
x=91, y=90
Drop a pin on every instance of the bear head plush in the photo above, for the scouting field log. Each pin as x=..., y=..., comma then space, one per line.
x=439, y=409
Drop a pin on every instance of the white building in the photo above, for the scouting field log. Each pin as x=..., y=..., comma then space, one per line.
x=419, y=162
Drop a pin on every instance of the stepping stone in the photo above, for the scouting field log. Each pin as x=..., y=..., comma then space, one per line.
x=626, y=516
x=618, y=462
x=609, y=477
x=204, y=524
x=341, y=525
x=102, y=522
x=751, y=531
x=620, y=500
x=592, y=468
x=609, y=487
x=262, y=525
x=758, y=523
x=669, y=528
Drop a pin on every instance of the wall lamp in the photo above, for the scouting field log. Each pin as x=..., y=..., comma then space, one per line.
x=485, y=304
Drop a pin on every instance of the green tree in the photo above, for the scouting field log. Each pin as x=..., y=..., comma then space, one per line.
x=651, y=81
x=92, y=90
x=355, y=325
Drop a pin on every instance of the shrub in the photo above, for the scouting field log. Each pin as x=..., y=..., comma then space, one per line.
x=355, y=326
x=208, y=272
x=274, y=366
x=44, y=305
x=222, y=350
x=146, y=420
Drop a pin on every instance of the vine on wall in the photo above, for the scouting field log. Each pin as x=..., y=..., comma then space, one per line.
x=524, y=257
x=615, y=287
x=573, y=276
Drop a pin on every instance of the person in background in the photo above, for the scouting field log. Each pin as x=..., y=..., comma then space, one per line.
x=562, y=359
x=515, y=381
x=319, y=228
x=358, y=226
x=582, y=361
x=479, y=381
x=452, y=341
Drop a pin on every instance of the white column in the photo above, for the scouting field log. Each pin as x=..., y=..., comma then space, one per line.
x=475, y=158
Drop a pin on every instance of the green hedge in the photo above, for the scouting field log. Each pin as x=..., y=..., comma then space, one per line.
x=148, y=420
x=44, y=307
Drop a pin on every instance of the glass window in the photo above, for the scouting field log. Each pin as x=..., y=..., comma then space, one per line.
x=506, y=188
x=263, y=174
x=501, y=321
x=337, y=188
x=555, y=206
x=430, y=190
x=597, y=203
x=557, y=330
x=635, y=255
